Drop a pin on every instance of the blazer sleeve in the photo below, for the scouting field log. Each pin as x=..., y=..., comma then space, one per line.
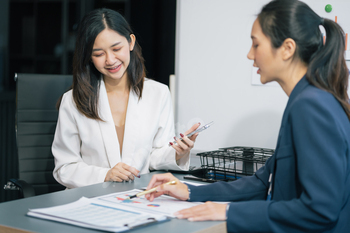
x=163, y=155
x=246, y=188
x=320, y=147
x=70, y=169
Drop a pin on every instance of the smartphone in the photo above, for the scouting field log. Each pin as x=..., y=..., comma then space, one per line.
x=197, y=130
x=200, y=129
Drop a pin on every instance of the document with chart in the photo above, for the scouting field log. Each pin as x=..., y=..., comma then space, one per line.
x=94, y=214
x=114, y=212
x=164, y=205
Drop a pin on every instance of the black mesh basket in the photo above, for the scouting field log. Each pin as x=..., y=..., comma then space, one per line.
x=232, y=163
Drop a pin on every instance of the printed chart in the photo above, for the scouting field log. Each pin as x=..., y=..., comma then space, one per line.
x=164, y=205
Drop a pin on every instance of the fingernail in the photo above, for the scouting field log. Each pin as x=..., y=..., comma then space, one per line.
x=138, y=176
x=190, y=219
x=178, y=215
x=182, y=135
x=171, y=143
x=199, y=123
x=175, y=139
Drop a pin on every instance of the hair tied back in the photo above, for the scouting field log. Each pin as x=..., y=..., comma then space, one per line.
x=321, y=21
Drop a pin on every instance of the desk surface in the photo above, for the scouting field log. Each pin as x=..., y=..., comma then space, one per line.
x=13, y=213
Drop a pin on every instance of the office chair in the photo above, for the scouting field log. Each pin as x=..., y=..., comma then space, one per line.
x=36, y=118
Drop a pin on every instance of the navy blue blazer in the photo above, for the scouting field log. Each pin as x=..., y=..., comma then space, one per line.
x=310, y=173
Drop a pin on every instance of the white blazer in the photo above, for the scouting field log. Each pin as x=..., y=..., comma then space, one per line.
x=85, y=149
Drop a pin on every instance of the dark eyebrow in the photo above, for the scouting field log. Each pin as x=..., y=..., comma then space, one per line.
x=111, y=46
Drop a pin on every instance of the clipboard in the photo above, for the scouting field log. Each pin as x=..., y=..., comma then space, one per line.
x=94, y=214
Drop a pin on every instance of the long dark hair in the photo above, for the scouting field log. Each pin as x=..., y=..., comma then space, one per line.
x=86, y=78
x=327, y=70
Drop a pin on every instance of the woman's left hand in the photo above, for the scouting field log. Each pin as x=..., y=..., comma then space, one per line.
x=204, y=212
x=183, y=147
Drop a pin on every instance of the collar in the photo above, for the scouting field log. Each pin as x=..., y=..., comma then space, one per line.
x=299, y=87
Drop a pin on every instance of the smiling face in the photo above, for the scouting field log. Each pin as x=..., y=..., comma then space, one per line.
x=265, y=57
x=111, y=54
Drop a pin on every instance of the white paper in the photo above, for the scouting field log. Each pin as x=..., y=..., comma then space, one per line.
x=91, y=213
x=192, y=183
x=164, y=205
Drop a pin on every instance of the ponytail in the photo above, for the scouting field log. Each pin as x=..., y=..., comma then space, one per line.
x=327, y=69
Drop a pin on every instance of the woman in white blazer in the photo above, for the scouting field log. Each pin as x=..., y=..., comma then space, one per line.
x=114, y=124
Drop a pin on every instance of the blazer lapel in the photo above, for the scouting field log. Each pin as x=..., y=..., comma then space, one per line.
x=299, y=87
x=107, y=127
x=132, y=125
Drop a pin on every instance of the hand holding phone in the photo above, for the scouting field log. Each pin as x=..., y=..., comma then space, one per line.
x=200, y=129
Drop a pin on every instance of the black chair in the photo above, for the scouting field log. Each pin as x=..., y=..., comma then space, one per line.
x=36, y=118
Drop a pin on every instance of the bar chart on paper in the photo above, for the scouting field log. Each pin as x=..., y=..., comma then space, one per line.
x=164, y=205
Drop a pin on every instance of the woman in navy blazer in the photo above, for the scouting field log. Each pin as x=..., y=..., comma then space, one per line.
x=305, y=185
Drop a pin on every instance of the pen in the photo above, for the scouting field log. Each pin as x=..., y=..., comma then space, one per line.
x=149, y=191
x=196, y=131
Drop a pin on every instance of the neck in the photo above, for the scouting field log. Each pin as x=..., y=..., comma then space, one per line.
x=119, y=86
x=291, y=76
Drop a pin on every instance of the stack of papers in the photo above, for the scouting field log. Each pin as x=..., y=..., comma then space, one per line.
x=113, y=212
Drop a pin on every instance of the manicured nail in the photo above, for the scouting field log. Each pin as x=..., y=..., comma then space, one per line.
x=199, y=123
x=171, y=143
x=182, y=135
x=175, y=138
x=138, y=176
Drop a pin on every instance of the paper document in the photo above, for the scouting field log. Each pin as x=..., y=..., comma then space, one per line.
x=92, y=213
x=192, y=183
x=113, y=212
x=164, y=205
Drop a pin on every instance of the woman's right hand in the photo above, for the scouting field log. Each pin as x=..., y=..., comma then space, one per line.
x=121, y=172
x=179, y=190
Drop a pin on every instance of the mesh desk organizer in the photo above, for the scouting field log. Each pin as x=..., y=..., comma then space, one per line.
x=231, y=163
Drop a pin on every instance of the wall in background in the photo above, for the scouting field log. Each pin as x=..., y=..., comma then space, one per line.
x=214, y=76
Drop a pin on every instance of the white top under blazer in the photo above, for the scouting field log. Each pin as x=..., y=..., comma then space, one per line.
x=85, y=149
